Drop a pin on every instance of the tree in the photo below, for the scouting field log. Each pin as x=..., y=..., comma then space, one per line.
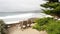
x=2, y=27
x=54, y=8
x=51, y=25
x=52, y=0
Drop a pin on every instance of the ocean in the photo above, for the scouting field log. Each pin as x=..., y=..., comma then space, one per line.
x=3, y=14
x=10, y=17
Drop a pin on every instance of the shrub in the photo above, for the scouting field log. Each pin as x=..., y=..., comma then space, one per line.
x=52, y=26
x=2, y=27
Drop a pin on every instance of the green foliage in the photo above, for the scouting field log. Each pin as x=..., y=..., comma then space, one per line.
x=52, y=26
x=54, y=8
x=48, y=12
x=52, y=0
x=2, y=27
x=55, y=12
x=51, y=5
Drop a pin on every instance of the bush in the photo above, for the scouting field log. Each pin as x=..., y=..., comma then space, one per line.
x=2, y=27
x=52, y=26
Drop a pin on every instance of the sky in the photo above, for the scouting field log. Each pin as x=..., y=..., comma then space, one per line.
x=20, y=5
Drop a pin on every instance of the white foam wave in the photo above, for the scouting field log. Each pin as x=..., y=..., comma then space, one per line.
x=21, y=17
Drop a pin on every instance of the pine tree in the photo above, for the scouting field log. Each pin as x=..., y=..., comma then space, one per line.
x=50, y=25
x=52, y=8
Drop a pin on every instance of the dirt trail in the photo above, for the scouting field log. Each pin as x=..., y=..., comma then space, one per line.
x=16, y=30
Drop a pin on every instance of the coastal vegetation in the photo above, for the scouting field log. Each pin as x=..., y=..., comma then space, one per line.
x=52, y=8
x=2, y=27
x=48, y=24
x=51, y=25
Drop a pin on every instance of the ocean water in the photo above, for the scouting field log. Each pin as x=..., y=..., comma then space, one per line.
x=13, y=17
x=3, y=14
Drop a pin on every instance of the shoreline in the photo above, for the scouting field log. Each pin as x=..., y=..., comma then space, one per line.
x=21, y=17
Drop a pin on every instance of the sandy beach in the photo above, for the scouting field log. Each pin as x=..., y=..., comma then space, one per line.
x=17, y=30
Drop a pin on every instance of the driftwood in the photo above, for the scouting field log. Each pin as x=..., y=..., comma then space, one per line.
x=20, y=24
x=24, y=23
x=27, y=22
